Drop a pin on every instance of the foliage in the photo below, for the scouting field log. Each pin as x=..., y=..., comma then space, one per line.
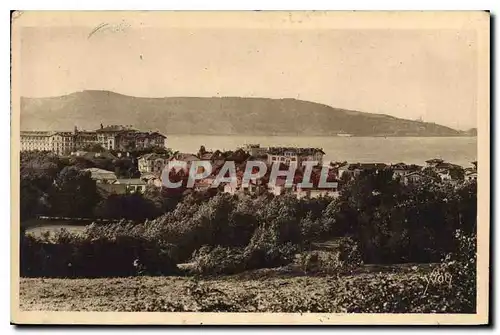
x=218, y=260
x=73, y=193
x=394, y=223
x=93, y=148
x=95, y=255
x=345, y=258
x=127, y=206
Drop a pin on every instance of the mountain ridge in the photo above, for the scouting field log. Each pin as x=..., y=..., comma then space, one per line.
x=215, y=116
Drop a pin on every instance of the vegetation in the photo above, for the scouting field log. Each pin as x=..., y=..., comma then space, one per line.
x=376, y=219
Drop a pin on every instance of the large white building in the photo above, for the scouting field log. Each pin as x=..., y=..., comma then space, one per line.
x=58, y=142
x=111, y=138
x=294, y=156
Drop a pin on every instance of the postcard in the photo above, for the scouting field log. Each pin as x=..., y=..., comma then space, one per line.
x=322, y=167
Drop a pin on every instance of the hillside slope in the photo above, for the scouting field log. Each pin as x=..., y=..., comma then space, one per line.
x=221, y=116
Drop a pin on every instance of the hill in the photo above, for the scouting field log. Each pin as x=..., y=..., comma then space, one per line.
x=221, y=116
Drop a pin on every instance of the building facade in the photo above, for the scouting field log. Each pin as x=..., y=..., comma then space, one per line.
x=152, y=163
x=254, y=150
x=294, y=156
x=111, y=138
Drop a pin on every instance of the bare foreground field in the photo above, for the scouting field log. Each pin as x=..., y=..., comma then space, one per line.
x=372, y=290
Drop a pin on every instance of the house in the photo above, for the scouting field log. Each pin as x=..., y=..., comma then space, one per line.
x=416, y=177
x=253, y=188
x=447, y=171
x=151, y=179
x=105, y=181
x=254, y=150
x=133, y=139
x=152, y=163
x=444, y=174
x=183, y=157
x=342, y=168
x=132, y=185
x=470, y=175
x=354, y=170
x=204, y=184
x=101, y=176
x=317, y=192
x=280, y=187
x=99, y=155
x=294, y=156
x=401, y=169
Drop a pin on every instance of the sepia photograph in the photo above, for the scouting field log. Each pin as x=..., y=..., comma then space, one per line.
x=250, y=167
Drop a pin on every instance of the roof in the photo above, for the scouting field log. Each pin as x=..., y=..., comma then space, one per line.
x=207, y=156
x=131, y=181
x=185, y=157
x=420, y=174
x=97, y=173
x=298, y=151
x=445, y=165
x=99, y=155
x=251, y=146
x=148, y=176
x=113, y=128
x=367, y=166
x=152, y=156
x=36, y=133
x=399, y=166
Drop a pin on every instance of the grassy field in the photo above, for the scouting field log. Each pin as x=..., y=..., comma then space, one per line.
x=266, y=290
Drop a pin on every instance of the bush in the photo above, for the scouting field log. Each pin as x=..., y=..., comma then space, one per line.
x=349, y=254
x=397, y=223
x=341, y=261
x=461, y=266
x=224, y=260
x=318, y=262
x=71, y=255
x=269, y=256
x=218, y=260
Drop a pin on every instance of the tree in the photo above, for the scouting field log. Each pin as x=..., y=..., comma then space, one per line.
x=93, y=148
x=73, y=193
x=457, y=173
x=127, y=206
x=202, y=151
x=37, y=172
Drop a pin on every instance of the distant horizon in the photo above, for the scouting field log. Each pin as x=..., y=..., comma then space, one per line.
x=245, y=97
x=404, y=73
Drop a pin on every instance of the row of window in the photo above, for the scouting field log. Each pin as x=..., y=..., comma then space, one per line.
x=293, y=159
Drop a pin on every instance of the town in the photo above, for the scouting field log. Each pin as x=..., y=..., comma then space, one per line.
x=147, y=157
x=100, y=205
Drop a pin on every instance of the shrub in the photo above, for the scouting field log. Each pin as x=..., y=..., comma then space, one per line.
x=341, y=261
x=71, y=255
x=218, y=260
x=349, y=254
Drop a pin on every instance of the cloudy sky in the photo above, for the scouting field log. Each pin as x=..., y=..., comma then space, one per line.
x=405, y=73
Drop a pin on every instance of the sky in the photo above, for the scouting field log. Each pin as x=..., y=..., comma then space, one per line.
x=425, y=73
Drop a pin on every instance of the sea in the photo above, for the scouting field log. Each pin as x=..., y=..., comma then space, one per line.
x=410, y=150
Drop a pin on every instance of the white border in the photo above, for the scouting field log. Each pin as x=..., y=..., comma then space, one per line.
x=187, y=4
